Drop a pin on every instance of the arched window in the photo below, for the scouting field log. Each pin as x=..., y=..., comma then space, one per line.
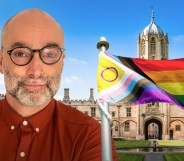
x=162, y=49
x=153, y=46
x=143, y=48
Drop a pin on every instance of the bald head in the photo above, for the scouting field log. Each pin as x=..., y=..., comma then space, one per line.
x=35, y=36
x=27, y=22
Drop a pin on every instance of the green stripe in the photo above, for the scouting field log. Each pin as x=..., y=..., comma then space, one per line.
x=179, y=98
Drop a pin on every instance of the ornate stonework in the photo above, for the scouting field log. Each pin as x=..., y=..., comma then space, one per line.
x=154, y=120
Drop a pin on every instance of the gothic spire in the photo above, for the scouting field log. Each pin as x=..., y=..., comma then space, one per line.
x=152, y=17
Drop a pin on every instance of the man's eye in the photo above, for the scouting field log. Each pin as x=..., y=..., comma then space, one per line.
x=50, y=55
x=20, y=54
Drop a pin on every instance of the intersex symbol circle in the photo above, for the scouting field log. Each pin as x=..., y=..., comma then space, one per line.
x=112, y=70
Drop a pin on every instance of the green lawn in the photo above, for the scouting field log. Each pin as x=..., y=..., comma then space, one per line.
x=145, y=143
x=130, y=157
x=174, y=156
x=171, y=143
x=134, y=143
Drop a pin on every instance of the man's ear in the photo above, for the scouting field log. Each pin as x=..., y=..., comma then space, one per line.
x=63, y=56
x=1, y=61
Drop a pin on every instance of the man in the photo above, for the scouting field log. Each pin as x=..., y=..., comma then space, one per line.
x=34, y=126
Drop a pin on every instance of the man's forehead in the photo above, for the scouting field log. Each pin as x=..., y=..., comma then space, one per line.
x=33, y=17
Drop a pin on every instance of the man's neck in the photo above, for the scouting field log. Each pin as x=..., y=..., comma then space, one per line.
x=23, y=110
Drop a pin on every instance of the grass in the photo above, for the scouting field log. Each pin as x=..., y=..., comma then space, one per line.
x=171, y=143
x=131, y=144
x=130, y=157
x=145, y=143
x=174, y=156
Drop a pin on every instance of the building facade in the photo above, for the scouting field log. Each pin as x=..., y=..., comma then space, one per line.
x=153, y=120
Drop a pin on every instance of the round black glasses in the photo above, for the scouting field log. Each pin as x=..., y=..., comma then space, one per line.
x=23, y=55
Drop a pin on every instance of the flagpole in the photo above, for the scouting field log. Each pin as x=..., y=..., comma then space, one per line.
x=103, y=45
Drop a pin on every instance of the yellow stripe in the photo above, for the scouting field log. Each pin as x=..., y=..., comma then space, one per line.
x=173, y=88
x=166, y=76
x=110, y=76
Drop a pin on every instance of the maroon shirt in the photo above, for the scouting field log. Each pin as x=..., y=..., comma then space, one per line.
x=57, y=133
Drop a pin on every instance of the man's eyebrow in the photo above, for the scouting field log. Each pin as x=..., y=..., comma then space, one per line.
x=52, y=44
x=18, y=44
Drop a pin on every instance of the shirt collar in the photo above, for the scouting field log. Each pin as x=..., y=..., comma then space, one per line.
x=38, y=121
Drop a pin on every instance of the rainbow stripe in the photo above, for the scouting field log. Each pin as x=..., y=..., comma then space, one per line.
x=138, y=81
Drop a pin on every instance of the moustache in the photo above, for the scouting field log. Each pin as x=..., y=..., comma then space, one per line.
x=43, y=81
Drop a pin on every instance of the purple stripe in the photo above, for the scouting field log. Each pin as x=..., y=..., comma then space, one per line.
x=155, y=96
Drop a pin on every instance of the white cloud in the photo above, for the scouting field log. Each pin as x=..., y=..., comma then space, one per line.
x=74, y=60
x=71, y=80
x=178, y=39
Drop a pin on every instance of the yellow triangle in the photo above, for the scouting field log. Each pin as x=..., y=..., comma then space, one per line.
x=108, y=73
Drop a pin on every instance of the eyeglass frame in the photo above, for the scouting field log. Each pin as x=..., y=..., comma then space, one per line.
x=9, y=52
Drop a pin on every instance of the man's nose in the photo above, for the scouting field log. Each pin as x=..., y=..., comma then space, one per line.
x=35, y=67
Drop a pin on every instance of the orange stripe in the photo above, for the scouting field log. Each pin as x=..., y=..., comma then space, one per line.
x=166, y=76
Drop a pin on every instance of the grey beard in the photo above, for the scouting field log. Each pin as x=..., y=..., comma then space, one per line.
x=14, y=86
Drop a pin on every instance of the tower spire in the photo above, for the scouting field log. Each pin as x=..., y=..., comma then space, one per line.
x=152, y=17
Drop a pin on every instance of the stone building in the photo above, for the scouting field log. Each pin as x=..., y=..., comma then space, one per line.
x=153, y=120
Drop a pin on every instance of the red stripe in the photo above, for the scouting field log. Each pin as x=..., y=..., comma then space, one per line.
x=159, y=65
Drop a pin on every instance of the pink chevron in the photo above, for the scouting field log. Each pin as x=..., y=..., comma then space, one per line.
x=119, y=90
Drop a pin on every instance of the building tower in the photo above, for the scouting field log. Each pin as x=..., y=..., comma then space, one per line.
x=91, y=97
x=152, y=43
x=66, y=95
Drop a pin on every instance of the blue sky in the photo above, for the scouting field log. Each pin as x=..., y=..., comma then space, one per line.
x=85, y=21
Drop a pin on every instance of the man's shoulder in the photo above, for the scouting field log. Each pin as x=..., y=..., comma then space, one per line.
x=72, y=115
x=1, y=102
